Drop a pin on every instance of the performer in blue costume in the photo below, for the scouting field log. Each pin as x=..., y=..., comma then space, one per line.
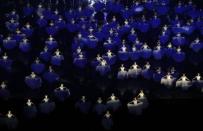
x=196, y=45
x=126, y=13
x=55, y=15
x=57, y=58
x=199, y=23
x=88, y=11
x=28, y=10
x=78, y=52
x=78, y=42
x=51, y=76
x=80, y=61
x=25, y=45
x=51, y=43
x=83, y=105
x=146, y=72
x=62, y=93
x=72, y=26
x=46, y=106
x=52, y=29
x=12, y=25
x=103, y=68
x=110, y=57
x=98, y=6
x=99, y=108
x=113, y=103
x=37, y=67
x=142, y=97
x=180, y=8
x=18, y=36
x=30, y=110
x=6, y=63
x=96, y=61
x=157, y=76
x=168, y=80
x=33, y=81
x=162, y=8
x=146, y=51
x=158, y=52
x=9, y=43
x=135, y=107
x=189, y=28
x=60, y=23
x=11, y=121
x=143, y=25
x=174, y=72
x=177, y=28
x=123, y=53
x=125, y=28
x=122, y=73
x=179, y=40
x=45, y=55
x=198, y=81
x=91, y=40
x=134, y=71
x=69, y=14
x=41, y=22
x=27, y=30
x=107, y=121
x=192, y=12
x=132, y=37
x=4, y=92
x=40, y=10
x=183, y=82
x=155, y=22
x=109, y=44
x=169, y=50
x=137, y=8
x=13, y=15
x=135, y=54
x=164, y=38
x=149, y=4
x=179, y=56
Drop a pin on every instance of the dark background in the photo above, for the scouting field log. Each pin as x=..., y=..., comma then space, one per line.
x=168, y=108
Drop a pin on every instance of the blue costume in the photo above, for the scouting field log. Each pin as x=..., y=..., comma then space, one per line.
x=51, y=44
x=46, y=106
x=45, y=55
x=33, y=81
x=6, y=63
x=123, y=53
x=146, y=51
x=99, y=108
x=37, y=67
x=50, y=76
x=146, y=72
x=83, y=105
x=122, y=73
x=9, y=43
x=80, y=61
x=196, y=45
x=62, y=93
x=4, y=92
x=134, y=71
x=179, y=56
x=57, y=59
x=25, y=46
x=30, y=110
x=103, y=68
x=158, y=52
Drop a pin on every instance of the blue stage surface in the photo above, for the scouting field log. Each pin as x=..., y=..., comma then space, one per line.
x=100, y=64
